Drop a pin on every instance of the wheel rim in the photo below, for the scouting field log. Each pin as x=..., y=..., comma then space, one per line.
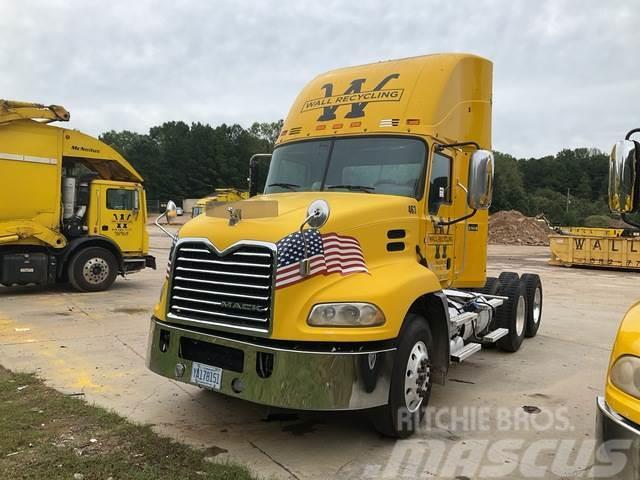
x=417, y=376
x=520, y=316
x=95, y=270
x=537, y=305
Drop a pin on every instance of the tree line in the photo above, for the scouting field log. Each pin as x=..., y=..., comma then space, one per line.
x=180, y=161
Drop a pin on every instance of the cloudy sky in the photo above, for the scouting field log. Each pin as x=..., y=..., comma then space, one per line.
x=566, y=73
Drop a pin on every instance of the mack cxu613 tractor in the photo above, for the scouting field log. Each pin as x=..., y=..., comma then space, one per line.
x=359, y=274
x=71, y=207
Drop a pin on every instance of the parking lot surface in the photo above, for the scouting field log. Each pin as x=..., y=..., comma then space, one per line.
x=94, y=344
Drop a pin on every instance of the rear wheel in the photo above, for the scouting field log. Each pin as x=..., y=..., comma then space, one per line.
x=533, y=289
x=92, y=270
x=512, y=316
x=491, y=287
x=506, y=277
x=410, y=382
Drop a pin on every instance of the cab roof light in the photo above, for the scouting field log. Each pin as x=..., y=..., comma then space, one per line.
x=320, y=127
x=413, y=121
x=355, y=124
x=336, y=126
x=283, y=133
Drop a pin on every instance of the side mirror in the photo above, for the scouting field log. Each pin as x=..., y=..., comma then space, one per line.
x=480, y=188
x=623, y=177
x=136, y=200
x=253, y=172
x=171, y=210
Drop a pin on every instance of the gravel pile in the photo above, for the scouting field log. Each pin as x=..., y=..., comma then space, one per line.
x=513, y=228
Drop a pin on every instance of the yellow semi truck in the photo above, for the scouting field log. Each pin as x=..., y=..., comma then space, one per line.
x=71, y=208
x=221, y=195
x=359, y=273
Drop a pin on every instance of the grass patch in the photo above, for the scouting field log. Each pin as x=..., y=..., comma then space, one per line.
x=46, y=434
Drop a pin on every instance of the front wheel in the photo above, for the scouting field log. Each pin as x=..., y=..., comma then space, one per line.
x=92, y=270
x=410, y=383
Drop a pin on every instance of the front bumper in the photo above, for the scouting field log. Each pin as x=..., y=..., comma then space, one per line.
x=297, y=379
x=611, y=427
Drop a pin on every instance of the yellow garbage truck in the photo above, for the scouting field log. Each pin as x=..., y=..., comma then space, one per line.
x=359, y=274
x=71, y=208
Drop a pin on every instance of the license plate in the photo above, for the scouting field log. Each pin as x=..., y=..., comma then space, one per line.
x=206, y=375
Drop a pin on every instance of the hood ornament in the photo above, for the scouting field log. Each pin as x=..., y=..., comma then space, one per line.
x=235, y=215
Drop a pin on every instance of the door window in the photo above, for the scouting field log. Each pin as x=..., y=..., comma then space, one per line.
x=120, y=199
x=439, y=182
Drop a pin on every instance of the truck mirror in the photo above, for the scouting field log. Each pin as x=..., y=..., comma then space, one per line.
x=480, y=189
x=623, y=177
x=171, y=209
x=136, y=200
x=253, y=172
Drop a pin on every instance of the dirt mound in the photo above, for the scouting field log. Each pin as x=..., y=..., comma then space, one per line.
x=513, y=228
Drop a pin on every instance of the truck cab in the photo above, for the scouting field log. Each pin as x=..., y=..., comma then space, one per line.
x=359, y=273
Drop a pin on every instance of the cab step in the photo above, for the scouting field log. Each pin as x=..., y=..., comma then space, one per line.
x=465, y=352
x=463, y=318
x=494, y=336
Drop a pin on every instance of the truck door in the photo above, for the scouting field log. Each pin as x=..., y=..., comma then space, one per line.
x=439, y=240
x=121, y=218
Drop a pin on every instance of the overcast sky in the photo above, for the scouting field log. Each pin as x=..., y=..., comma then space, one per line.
x=566, y=73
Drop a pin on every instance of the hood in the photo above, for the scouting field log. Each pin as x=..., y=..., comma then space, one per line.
x=269, y=218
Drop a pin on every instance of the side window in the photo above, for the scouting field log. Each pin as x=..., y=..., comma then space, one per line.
x=120, y=199
x=439, y=182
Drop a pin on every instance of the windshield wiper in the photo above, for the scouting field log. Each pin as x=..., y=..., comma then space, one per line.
x=290, y=186
x=360, y=188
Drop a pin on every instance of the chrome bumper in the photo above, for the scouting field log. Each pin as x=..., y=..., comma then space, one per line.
x=609, y=427
x=301, y=380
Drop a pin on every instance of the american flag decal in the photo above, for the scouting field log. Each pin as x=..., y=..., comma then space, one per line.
x=327, y=253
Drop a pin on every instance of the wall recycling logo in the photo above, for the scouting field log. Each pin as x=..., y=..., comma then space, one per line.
x=354, y=96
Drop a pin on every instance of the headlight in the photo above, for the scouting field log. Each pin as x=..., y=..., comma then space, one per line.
x=625, y=374
x=345, y=315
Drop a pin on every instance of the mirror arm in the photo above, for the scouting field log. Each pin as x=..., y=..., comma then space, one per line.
x=442, y=146
x=459, y=219
x=167, y=232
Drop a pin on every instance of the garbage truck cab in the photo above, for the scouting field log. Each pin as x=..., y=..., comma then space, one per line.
x=359, y=273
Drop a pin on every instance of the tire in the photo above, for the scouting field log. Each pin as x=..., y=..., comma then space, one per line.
x=402, y=415
x=533, y=289
x=506, y=277
x=491, y=287
x=512, y=316
x=92, y=269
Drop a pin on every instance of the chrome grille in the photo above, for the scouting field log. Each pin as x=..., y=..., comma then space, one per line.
x=228, y=290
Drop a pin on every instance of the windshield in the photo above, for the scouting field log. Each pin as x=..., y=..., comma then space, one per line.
x=385, y=165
